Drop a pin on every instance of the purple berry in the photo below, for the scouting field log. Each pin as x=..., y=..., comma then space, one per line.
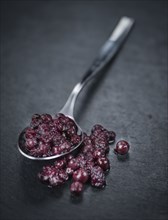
x=55, y=180
x=87, y=140
x=80, y=175
x=46, y=138
x=76, y=187
x=46, y=118
x=60, y=163
x=63, y=175
x=96, y=128
x=89, y=156
x=98, y=153
x=73, y=164
x=46, y=173
x=56, y=150
x=71, y=131
x=43, y=149
x=104, y=163
x=100, y=142
x=75, y=139
x=81, y=161
x=43, y=129
x=65, y=147
x=97, y=177
x=58, y=125
x=59, y=177
x=36, y=120
x=31, y=143
x=88, y=148
x=30, y=133
x=58, y=139
x=89, y=166
x=122, y=147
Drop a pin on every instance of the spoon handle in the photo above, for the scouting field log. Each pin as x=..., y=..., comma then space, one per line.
x=107, y=52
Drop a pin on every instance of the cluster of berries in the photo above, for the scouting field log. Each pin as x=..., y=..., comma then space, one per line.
x=48, y=136
x=89, y=165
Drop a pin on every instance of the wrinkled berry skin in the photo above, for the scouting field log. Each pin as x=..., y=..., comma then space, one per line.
x=59, y=177
x=122, y=147
x=80, y=175
x=30, y=133
x=104, y=163
x=76, y=187
x=60, y=163
x=73, y=164
x=31, y=143
x=36, y=121
x=87, y=165
x=98, y=153
x=46, y=173
x=97, y=177
x=48, y=136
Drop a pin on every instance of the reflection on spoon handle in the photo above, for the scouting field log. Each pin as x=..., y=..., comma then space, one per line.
x=107, y=52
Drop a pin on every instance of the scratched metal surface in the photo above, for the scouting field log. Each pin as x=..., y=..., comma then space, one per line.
x=45, y=49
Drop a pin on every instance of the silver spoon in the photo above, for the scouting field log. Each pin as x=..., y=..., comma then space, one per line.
x=107, y=52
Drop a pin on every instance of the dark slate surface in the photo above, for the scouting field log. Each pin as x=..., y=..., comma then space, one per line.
x=45, y=49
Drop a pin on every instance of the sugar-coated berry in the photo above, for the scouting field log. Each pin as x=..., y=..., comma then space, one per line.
x=58, y=135
x=104, y=163
x=80, y=175
x=97, y=177
x=31, y=143
x=48, y=136
x=73, y=164
x=76, y=187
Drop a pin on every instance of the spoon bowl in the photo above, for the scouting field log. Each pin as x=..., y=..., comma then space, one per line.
x=24, y=152
x=107, y=52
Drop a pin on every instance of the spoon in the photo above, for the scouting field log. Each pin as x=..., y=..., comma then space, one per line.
x=107, y=52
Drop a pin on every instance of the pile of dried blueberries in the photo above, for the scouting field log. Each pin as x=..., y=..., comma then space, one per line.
x=48, y=136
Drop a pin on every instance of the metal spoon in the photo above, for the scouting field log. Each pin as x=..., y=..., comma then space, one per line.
x=107, y=52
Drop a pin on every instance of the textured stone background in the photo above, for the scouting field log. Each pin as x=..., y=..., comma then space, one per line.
x=45, y=49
